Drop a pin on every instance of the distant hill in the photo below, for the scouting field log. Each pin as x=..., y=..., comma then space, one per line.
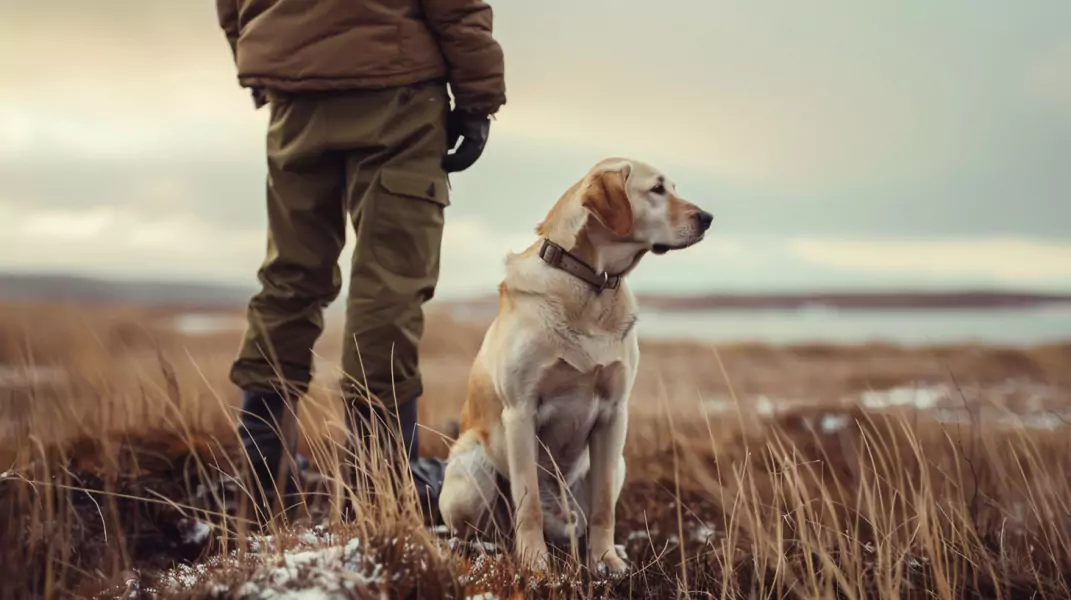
x=208, y=296
x=858, y=300
x=84, y=289
x=842, y=301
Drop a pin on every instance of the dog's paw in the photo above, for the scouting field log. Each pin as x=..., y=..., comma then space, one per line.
x=534, y=555
x=609, y=564
x=560, y=532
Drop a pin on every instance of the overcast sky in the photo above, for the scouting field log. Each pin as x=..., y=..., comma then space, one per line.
x=838, y=144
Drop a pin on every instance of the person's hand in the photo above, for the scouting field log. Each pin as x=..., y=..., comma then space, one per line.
x=472, y=130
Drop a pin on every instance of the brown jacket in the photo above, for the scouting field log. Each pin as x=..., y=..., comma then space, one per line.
x=316, y=45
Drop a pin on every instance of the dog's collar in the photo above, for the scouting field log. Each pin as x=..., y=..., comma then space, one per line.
x=560, y=258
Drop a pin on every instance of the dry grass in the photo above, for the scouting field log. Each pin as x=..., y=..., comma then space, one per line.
x=113, y=466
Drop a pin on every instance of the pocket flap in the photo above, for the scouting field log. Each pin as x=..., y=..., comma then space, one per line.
x=416, y=185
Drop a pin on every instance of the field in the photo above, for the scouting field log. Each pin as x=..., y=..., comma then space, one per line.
x=754, y=471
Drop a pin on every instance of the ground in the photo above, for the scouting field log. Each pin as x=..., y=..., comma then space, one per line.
x=754, y=471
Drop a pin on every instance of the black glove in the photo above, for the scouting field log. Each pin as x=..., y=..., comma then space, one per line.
x=473, y=131
x=260, y=97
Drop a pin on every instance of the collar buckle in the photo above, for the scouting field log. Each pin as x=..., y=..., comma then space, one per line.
x=604, y=282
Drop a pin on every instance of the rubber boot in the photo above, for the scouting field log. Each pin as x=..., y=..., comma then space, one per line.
x=427, y=472
x=374, y=426
x=262, y=431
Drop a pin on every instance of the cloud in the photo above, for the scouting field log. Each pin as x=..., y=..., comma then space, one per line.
x=112, y=242
x=1049, y=80
x=1008, y=261
x=61, y=226
x=768, y=99
x=126, y=145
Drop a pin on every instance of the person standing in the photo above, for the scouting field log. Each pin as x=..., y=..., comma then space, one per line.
x=361, y=134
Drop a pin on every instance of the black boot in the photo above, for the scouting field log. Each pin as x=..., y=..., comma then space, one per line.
x=376, y=426
x=427, y=472
x=263, y=419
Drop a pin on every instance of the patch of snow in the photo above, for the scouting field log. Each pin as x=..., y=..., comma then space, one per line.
x=1041, y=420
x=194, y=531
x=306, y=594
x=833, y=422
x=261, y=544
x=1041, y=406
x=718, y=404
x=764, y=406
x=920, y=397
x=309, y=574
x=316, y=536
x=302, y=573
x=761, y=405
x=352, y=546
x=30, y=375
x=186, y=577
x=205, y=323
x=455, y=544
x=945, y=403
x=703, y=532
x=483, y=596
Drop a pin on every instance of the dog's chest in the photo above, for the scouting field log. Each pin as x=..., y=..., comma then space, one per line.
x=571, y=402
x=586, y=346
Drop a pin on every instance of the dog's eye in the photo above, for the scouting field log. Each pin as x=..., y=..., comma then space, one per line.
x=659, y=189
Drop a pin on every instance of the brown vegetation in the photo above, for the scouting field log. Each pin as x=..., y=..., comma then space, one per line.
x=109, y=460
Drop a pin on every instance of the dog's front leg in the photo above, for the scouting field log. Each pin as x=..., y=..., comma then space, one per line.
x=522, y=451
x=605, y=449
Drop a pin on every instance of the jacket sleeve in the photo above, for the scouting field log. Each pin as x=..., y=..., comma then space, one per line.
x=473, y=57
x=227, y=11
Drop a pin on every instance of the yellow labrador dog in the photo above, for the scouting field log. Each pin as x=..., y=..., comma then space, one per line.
x=547, y=404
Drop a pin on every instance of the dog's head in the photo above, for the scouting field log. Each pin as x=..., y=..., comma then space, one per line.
x=629, y=201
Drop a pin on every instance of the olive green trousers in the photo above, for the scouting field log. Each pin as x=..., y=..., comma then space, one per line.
x=370, y=160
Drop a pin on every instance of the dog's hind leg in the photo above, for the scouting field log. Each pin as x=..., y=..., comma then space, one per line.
x=470, y=489
x=579, y=496
x=563, y=513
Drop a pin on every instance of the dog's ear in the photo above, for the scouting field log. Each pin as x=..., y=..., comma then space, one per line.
x=606, y=197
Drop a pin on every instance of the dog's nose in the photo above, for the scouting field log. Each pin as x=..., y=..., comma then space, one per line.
x=705, y=219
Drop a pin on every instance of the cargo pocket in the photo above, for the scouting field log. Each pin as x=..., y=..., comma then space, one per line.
x=408, y=225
